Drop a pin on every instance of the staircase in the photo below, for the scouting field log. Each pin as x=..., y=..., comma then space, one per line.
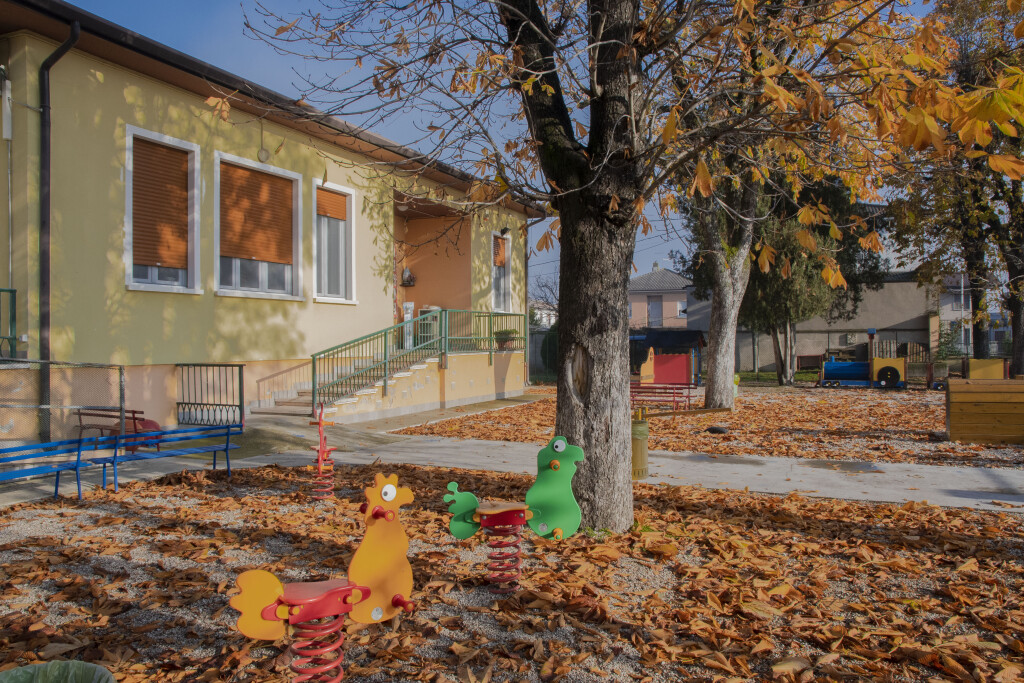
x=373, y=363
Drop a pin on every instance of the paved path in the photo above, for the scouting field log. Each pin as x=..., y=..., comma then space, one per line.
x=977, y=487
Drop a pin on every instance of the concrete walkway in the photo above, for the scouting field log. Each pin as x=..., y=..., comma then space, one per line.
x=975, y=487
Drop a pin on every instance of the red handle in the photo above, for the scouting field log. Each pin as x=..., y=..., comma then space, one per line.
x=381, y=513
x=400, y=601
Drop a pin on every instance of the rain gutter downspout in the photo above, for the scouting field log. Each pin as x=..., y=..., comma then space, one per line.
x=44, y=218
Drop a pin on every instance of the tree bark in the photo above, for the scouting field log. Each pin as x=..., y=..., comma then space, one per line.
x=597, y=242
x=783, y=345
x=1013, y=256
x=973, y=246
x=730, y=273
x=593, y=352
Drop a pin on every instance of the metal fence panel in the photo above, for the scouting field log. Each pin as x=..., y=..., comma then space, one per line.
x=41, y=401
x=211, y=394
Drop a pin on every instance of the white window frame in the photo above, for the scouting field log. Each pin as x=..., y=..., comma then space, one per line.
x=350, y=220
x=296, y=178
x=506, y=305
x=192, y=280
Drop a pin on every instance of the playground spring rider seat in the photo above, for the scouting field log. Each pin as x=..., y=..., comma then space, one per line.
x=378, y=586
x=550, y=509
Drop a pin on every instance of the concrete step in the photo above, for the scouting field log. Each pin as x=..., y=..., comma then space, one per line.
x=283, y=410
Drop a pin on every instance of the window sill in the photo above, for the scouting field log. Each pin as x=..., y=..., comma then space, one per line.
x=335, y=300
x=244, y=294
x=167, y=289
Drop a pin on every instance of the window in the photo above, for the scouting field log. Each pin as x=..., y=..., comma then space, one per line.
x=257, y=226
x=681, y=310
x=161, y=212
x=333, y=245
x=501, y=287
x=654, y=311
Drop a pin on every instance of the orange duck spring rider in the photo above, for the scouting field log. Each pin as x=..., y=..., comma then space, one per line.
x=378, y=586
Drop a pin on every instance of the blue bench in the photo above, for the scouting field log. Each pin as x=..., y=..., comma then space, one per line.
x=46, y=458
x=140, y=445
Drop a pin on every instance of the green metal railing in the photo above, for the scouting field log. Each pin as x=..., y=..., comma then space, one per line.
x=8, y=323
x=347, y=368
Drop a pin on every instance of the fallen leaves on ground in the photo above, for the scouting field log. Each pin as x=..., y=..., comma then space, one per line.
x=874, y=426
x=709, y=585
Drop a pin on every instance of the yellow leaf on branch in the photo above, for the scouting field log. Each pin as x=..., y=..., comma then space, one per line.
x=669, y=132
x=871, y=241
x=702, y=181
x=766, y=258
x=807, y=240
x=1006, y=164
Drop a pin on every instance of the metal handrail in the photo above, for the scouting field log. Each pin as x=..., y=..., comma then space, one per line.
x=10, y=339
x=211, y=394
x=344, y=369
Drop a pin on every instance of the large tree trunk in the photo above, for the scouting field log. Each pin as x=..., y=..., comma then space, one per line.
x=978, y=279
x=1013, y=256
x=783, y=345
x=730, y=272
x=596, y=203
x=593, y=355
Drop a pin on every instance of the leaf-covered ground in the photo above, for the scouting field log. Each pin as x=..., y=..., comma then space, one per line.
x=710, y=585
x=878, y=426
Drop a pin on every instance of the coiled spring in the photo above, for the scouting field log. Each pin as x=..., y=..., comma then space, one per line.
x=317, y=651
x=323, y=480
x=505, y=558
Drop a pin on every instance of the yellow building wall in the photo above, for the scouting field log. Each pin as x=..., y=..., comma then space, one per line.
x=97, y=318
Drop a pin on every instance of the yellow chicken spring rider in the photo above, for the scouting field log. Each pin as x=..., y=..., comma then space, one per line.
x=378, y=586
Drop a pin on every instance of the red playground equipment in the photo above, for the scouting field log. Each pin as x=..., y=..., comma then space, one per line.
x=502, y=523
x=379, y=586
x=323, y=480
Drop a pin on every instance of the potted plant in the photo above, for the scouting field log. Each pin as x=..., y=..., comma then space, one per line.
x=505, y=339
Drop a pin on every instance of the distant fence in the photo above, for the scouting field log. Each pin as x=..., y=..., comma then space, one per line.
x=40, y=400
x=211, y=394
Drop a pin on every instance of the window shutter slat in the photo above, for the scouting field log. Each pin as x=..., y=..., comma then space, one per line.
x=498, y=250
x=255, y=215
x=159, y=205
x=331, y=204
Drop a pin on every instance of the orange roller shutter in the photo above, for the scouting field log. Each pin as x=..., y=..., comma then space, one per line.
x=499, y=251
x=159, y=205
x=255, y=215
x=331, y=204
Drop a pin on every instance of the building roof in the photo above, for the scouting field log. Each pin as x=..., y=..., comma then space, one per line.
x=660, y=280
x=114, y=43
x=901, y=276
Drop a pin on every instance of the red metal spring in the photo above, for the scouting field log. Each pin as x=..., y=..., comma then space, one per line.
x=505, y=558
x=317, y=655
x=323, y=480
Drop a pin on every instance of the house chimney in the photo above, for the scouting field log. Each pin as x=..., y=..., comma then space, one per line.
x=656, y=267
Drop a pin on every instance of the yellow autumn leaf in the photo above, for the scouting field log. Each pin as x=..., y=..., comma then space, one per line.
x=807, y=215
x=871, y=241
x=807, y=240
x=766, y=258
x=669, y=132
x=786, y=270
x=1007, y=165
x=1018, y=31
x=834, y=231
x=702, y=181
x=1013, y=5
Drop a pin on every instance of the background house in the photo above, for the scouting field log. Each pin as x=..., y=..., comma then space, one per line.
x=903, y=313
x=193, y=226
x=658, y=299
